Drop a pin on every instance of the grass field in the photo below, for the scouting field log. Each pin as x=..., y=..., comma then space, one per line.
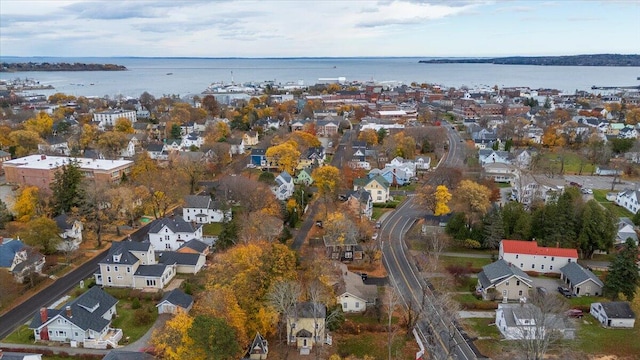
x=571, y=164
x=22, y=335
x=601, y=197
x=475, y=263
x=213, y=229
x=378, y=212
x=127, y=321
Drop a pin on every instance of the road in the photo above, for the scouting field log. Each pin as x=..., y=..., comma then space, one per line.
x=337, y=161
x=446, y=338
x=23, y=312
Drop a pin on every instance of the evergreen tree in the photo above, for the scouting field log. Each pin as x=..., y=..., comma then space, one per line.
x=176, y=132
x=623, y=273
x=493, y=229
x=457, y=227
x=229, y=235
x=598, y=229
x=5, y=214
x=214, y=338
x=516, y=221
x=67, y=188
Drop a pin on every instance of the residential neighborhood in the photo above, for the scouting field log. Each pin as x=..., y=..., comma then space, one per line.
x=288, y=221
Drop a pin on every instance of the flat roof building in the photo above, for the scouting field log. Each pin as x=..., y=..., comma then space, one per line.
x=40, y=170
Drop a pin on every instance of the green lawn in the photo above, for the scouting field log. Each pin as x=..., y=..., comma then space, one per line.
x=213, y=229
x=585, y=301
x=378, y=212
x=475, y=263
x=373, y=345
x=571, y=164
x=22, y=335
x=593, y=339
x=601, y=197
x=127, y=321
x=489, y=343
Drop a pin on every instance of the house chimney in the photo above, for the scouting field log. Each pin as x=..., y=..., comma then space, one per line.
x=68, y=311
x=44, y=316
x=43, y=157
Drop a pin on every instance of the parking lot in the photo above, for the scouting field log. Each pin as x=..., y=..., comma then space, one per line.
x=550, y=284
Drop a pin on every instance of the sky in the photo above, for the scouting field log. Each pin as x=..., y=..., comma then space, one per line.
x=318, y=28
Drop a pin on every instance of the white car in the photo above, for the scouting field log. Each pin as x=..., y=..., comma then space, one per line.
x=587, y=191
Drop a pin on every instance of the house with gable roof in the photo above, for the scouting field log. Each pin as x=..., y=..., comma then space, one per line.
x=501, y=280
x=258, y=157
x=192, y=139
x=236, y=146
x=581, y=281
x=360, y=201
x=259, y=348
x=201, y=209
x=528, y=256
x=306, y=326
x=157, y=151
x=487, y=156
x=626, y=230
x=85, y=319
x=70, y=231
x=174, y=300
x=304, y=177
x=522, y=321
x=183, y=262
x=172, y=233
x=327, y=127
x=133, y=264
x=614, y=314
x=313, y=157
x=284, y=186
x=629, y=199
x=353, y=294
x=250, y=138
x=377, y=186
x=19, y=259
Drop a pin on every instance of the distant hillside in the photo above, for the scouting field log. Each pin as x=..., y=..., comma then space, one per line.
x=45, y=66
x=574, y=60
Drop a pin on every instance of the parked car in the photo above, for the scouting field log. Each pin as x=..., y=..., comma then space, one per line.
x=574, y=313
x=564, y=291
x=587, y=191
x=374, y=237
x=541, y=290
x=378, y=225
x=573, y=183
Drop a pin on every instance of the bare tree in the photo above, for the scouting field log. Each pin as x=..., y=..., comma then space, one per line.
x=546, y=322
x=318, y=296
x=391, y=303
x=284, y=296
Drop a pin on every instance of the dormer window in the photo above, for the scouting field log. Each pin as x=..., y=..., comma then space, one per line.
x=116, y=258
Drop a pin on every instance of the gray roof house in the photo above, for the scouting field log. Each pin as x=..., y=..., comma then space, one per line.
x=202, y=209
x=86, y=319
x=19, y=356
x=501, y=280
x=171, y=233
x=614, y=314
x=258, y=349
x=626, y=230
x=185, y=263
x=127, y=355
x=173, y=300
x=581, y=281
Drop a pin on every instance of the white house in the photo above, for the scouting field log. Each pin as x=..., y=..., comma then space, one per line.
x=606, y=171
x=284, y=186
x=408, y=166
x=422, y=162
x=192, y=139
x=109, y=117
x=528, y=256
x=202, y=209
x=629, y=199
x=525, y=321
x=19, y=259
x=487, y=156
x=86, y=320
x=70, y=231
x=626, y=230
x=500, y=172
x=171, y=233
x=6, y=355
x=353, y=294
x=581, y=281
x=236, y=146
x=173, y=300
x=614, y=314
x=628, y=133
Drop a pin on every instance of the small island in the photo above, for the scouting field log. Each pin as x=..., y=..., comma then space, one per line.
x=572, y=60
x=46, y=66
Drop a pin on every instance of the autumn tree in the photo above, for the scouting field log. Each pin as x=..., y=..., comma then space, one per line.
x=369, y=136
x=123, y=125
x=217, y=132
x=26, y=142
x=211, y=105
x=326, y=179
x=339, y=229
x=624, y=273
x=41, y=124
x=632, y=116
x=285, y=156
x=442, y=197
x=214, y=338
x=552, y=137
x=111, y=143
x=42, y=233
x=172, y=341
x=87, y=136
x=472, y=198
x=26, y=204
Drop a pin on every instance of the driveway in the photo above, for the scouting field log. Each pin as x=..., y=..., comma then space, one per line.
x=548, y=283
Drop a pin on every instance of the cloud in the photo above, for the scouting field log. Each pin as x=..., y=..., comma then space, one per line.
x=112, y=10
x=9, y=20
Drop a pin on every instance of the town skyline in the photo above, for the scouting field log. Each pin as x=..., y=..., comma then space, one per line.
x=285, y=29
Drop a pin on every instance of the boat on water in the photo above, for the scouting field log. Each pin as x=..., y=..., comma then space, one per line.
x=169, y=73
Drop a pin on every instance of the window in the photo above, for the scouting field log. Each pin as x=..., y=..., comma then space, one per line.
x=552, y=258
x=542, y=267
x=108, y=268
x=569, y=260
x=517, y=256
x=109, y=279
x=167, y=246
x=550, y=267
x=128, y=269
x=521, y=265
x=119, y=277
x=357, y=304
x=517, y=282
x=520, y=293
x=151, y=282
x=345, y=305
x=167, y=237
x=507, y=283
x=115, y=268
x=533, y=266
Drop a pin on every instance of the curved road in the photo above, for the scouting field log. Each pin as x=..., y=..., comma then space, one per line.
x=445, y=337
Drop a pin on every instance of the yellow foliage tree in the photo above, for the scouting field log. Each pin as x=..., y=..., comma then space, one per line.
x=26, y=141
x=633, y=116
x=370, y=136
x=552, y=137
x=286, y=156
x=305, y=140
x=326, y=179
x=173, y=340
x=123, y=125
x=26, y=204
x=473, y=198
x=443, y=196
x=41, y=124
x=87, y=136
x=221, y=301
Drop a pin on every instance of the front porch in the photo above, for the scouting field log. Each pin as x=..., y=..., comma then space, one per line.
x=110, y=339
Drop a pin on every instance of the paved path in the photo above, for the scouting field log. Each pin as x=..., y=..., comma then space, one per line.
x=476, y=314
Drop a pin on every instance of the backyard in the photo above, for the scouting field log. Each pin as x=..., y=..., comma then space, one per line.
x=601, y=197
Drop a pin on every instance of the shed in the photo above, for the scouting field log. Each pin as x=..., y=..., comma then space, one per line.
x=173, y=300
